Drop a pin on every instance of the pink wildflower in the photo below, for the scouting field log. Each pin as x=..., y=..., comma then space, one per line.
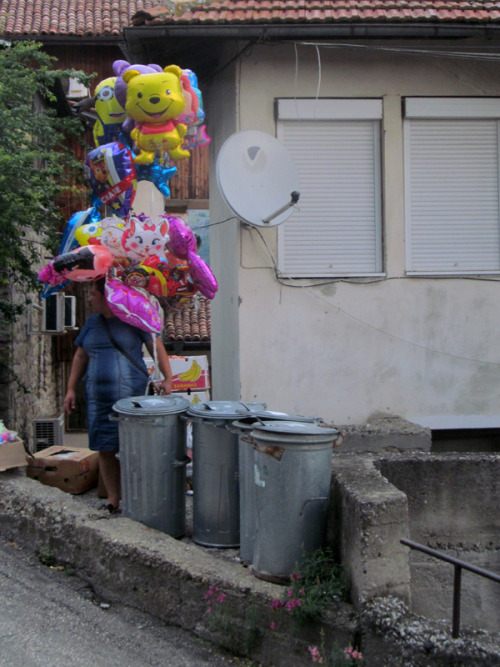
x=275, y=604
x=290, y=593
x=295, y=576
x=315, y=654
x=292, y=604
x=221, y=597
x=272, y=625
x=209, y=610
x=211, y=591
x=302, y=591
x=352, y=654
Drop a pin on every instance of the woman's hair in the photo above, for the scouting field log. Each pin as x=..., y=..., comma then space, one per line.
x=99, y=285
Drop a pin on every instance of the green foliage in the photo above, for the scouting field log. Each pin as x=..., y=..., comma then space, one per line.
x=36, y=166
x=46, y=557
x=221, y=620
x=319, y=583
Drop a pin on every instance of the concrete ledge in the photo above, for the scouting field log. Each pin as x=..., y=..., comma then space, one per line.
x=369, y=517
x=383, y=433
x=126, y=562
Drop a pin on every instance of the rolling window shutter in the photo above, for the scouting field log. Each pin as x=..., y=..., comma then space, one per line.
x=337, y=229
x=452, y=195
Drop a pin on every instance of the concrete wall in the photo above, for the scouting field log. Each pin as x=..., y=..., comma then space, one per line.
x=454, y=507
x=221, y=106
x=413, y=347
x=368, y=518
x=449, y=502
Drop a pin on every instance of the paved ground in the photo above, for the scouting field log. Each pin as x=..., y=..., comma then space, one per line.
x=51, y=617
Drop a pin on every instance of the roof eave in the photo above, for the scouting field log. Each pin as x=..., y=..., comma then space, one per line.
x=71, y=40
x=347, y=30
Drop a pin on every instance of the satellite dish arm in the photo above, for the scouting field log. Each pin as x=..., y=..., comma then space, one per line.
x=294, y=198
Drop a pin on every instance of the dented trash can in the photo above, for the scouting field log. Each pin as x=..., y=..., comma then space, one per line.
x=153, y=461
x=216, y=513
x=292, y=472
x=243, y=427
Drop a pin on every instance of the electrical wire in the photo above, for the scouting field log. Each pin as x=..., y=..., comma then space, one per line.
x=309, y=288
x=472, y=55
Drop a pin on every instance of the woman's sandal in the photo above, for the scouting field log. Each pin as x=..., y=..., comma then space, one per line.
x=108, y=507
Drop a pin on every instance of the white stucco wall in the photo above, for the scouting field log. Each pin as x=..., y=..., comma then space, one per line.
x=414, y=347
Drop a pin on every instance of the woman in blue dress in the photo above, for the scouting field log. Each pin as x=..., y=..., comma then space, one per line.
x=109, y=376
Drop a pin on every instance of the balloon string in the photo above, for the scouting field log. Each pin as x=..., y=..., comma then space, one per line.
x=155, y=375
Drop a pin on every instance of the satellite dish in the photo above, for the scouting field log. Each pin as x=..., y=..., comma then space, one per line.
x=257, y=178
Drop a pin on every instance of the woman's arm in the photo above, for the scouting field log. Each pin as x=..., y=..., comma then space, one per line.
x=163, y=364
x=78, y=368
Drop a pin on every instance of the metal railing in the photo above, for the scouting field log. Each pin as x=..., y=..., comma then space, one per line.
x=459, y=565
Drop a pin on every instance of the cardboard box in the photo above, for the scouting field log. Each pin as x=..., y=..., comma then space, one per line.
x=12, y=455
x=190, y=373
x=74, y=470
x=193, y=396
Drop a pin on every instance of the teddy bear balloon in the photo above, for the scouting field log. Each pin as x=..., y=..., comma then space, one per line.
x=154, y=101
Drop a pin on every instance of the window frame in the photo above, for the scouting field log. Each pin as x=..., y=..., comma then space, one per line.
x=337, y=109
x=444, y=109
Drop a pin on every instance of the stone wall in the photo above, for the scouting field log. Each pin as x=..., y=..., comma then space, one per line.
x=30, y=386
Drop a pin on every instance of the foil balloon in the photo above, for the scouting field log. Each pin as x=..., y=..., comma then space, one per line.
x=144, y=236
x=89, y=234
x=111, y=236
x=135, y=238
x=193, y=115
x=154, y=101
x=182, y=239
x=77, y=220
x=111, y=172
x=202, y=275
x=110, y=114
x=81, y=265
x=192, y=110
x=134, y=306
x=156, y=174
x=121, y=66
x=161, y=276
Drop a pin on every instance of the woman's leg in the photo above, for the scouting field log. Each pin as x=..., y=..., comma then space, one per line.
x=109, y=469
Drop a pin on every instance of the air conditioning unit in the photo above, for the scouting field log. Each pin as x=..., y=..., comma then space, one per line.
x=59, y=313
x=48, y=431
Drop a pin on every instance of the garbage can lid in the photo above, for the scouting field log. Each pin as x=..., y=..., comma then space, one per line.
x=225, y=409
x=271, y=415
x=151, y=405
x=247, y=421
x=294, y=427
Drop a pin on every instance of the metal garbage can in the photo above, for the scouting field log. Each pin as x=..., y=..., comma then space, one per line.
x=243, y=427
x=153, y=461
x=292, y=467
x=216, y=513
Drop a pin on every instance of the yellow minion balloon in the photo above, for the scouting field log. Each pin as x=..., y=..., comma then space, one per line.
x=110, y=115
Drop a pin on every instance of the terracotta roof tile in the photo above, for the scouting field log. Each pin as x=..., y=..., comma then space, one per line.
x=328, y=11
x=69, y=17
x=192, y=323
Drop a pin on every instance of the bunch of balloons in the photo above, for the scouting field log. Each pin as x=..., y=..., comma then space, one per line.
x=143, y=259
x=147, y=118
